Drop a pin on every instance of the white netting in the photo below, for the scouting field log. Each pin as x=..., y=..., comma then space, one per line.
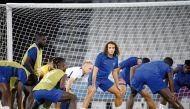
x=81, y=33
x=3, y=36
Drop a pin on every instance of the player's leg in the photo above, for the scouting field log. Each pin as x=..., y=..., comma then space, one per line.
x=88, y=98
x=72, y=99
x=0, y=95
x=162, y=104
x=131, y=98
x=35, y=105
x=13, y=98
x=6, y=94
x=28, y=99
x=118, y=96
x=26, y=94
x=47, y=104
x=166, y=94
x=107, y=85
x=148, y=99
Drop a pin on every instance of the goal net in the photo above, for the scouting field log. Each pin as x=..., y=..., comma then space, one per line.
x=80, y=31
x=3, y=38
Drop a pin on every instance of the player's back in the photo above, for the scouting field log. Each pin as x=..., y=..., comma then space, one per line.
x=74, y=72
x=158, y=68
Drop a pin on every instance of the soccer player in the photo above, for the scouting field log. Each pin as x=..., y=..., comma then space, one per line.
x=8, y=70
x=106, y=62
x=74, y=73
x=32, y=60
x=181, y=79
x=51, y=86
x=152, y=74
x=126, y=75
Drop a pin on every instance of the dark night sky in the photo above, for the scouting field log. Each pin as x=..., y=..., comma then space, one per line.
x=45, y=1
x=30, y=1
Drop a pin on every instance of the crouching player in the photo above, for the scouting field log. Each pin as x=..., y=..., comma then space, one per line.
x=181, y=79
x=8, y=70
x=152, y=74
x=128, y=68
x=50, y=88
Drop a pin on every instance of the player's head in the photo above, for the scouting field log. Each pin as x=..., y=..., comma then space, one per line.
x=145, y=60
x=139, y=61
x=111, y=48
x=41, y=39
x=59, y=63
x=87, y=67
x=168, y=60
x=186, y=67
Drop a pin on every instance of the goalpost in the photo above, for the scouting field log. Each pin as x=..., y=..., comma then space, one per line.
x=80, y=31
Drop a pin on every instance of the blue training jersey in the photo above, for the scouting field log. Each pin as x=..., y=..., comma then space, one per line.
x=105, y=65
x=156, y=68
x=126, y=66
x=181, y=77
x=32, y=53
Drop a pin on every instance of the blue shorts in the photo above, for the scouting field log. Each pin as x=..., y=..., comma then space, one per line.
x=53, y=95
x=7, y=72
x=104, y=83
x=22, y=76
x=125, y=77
x=154, y=82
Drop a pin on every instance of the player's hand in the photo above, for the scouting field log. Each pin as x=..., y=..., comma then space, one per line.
x=121, y=86
x=122, y=89
x=39, y=71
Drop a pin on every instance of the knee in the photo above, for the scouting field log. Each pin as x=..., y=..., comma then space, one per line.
x=169, y=99
x=118, y=95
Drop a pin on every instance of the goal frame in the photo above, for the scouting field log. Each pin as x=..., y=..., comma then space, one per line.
x=9, y=7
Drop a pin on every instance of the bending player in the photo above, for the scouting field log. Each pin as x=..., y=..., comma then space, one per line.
x=74, y=73
x=51, y=86
x=125, y=75
x=181, y=79
x=152, y=74
x=8, y=70
x=32, y=61
x=106, y=62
